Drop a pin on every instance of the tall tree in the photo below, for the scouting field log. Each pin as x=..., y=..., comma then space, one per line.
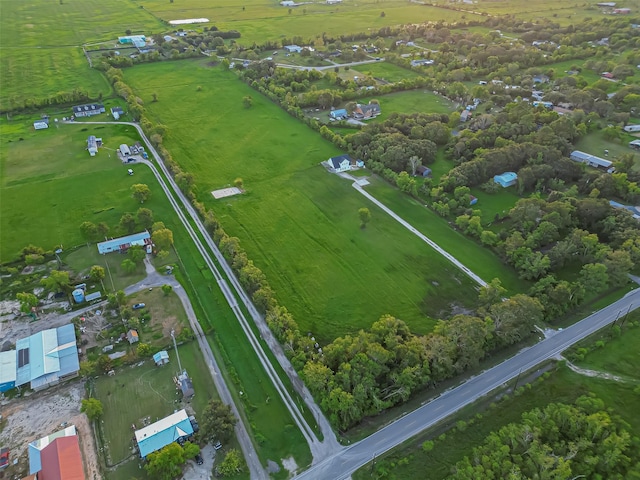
x=217, y=422
x=92, y=407
x=145, y=218
x=97, y=274
x=140, y=192
x=27, y=301
x=365, y=216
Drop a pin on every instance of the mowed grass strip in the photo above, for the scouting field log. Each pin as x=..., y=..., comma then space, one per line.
x=385, y=71
x=299, y=223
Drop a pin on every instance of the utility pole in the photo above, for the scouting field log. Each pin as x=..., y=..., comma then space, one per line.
x=173, y=336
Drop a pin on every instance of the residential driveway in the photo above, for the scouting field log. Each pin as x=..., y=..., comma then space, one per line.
x=193, y=471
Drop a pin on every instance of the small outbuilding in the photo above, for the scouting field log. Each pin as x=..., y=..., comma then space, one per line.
x=506, y=179
x=632, y=128
x=161, y=358
x=635, y=144
x=125, y=150
x=92, y=145
x=293, y=48
x=423, y=171
x=40, y=125
x=132, y=336
x=116, y=112
x=339, y=114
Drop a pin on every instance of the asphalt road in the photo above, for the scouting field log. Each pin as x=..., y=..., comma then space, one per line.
x=344, y=463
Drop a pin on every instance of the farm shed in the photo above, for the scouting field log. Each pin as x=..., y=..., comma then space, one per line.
x=46, y=357
x=132, y=336
x=161, y=358
x=338, y=114
x=88, y=110
x=7, y=370
x=507, y=179
x=125, y=150
x=92, y=145
x=423, y=171
x=124, y=243
x=163, y=432
x=116, y=112
x=340, y=163
x=591, y=160
x=37, y=446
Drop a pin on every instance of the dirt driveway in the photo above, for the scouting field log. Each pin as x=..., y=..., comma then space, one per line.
x=41, y=414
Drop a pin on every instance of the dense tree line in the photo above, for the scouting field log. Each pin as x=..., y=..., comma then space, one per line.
x=557, y=441
x=363, y=374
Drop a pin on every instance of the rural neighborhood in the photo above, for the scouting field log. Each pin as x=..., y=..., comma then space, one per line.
x=319, y=240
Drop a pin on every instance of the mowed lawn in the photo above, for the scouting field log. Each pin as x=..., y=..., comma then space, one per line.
x=50, y=184
x=41, y=40
x=299, y=223
x=411, y=101
x=258, y=20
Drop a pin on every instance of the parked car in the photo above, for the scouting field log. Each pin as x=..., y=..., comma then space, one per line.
x=138, y=306
x=199, y=459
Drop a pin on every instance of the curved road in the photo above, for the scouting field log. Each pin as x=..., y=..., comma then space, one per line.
x=319, y=449
x=343, y=464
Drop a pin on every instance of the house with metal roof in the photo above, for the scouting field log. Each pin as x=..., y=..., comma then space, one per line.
x=176, y=427
x=36, y=447
x=506, y=179
x=61, y=460
x=116, y=112
x=339, y=114
x=40, y=125
x=161, y=358
x=47, y=357
x=138, y=41
x=7, y=370
x=635, y=144
x=122, y=244
x=591, y=160
x=88, y=110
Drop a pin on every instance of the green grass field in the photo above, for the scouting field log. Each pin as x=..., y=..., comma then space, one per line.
x=298, y=223
x=41, y=41
x=258, y=20
x=412, y=101
x=49, y=184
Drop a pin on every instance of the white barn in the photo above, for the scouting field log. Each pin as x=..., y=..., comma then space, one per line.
x=124, y=150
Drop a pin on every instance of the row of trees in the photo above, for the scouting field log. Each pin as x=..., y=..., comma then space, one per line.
x=364, y=374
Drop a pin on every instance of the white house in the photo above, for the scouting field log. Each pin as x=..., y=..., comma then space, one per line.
x=591, y=160
x=341, y=163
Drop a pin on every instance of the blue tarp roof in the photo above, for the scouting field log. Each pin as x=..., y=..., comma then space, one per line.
x=163, y=432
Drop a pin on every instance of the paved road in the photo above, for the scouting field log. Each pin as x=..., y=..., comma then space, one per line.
x=413, y=230
x=328, y=67
x=343, y=464
x=319, y=449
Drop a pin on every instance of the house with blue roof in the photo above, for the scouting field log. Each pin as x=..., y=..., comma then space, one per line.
x=122, y=244
x=161, y=358
x=174, y=428
x=506, y=179
x=47, y=357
